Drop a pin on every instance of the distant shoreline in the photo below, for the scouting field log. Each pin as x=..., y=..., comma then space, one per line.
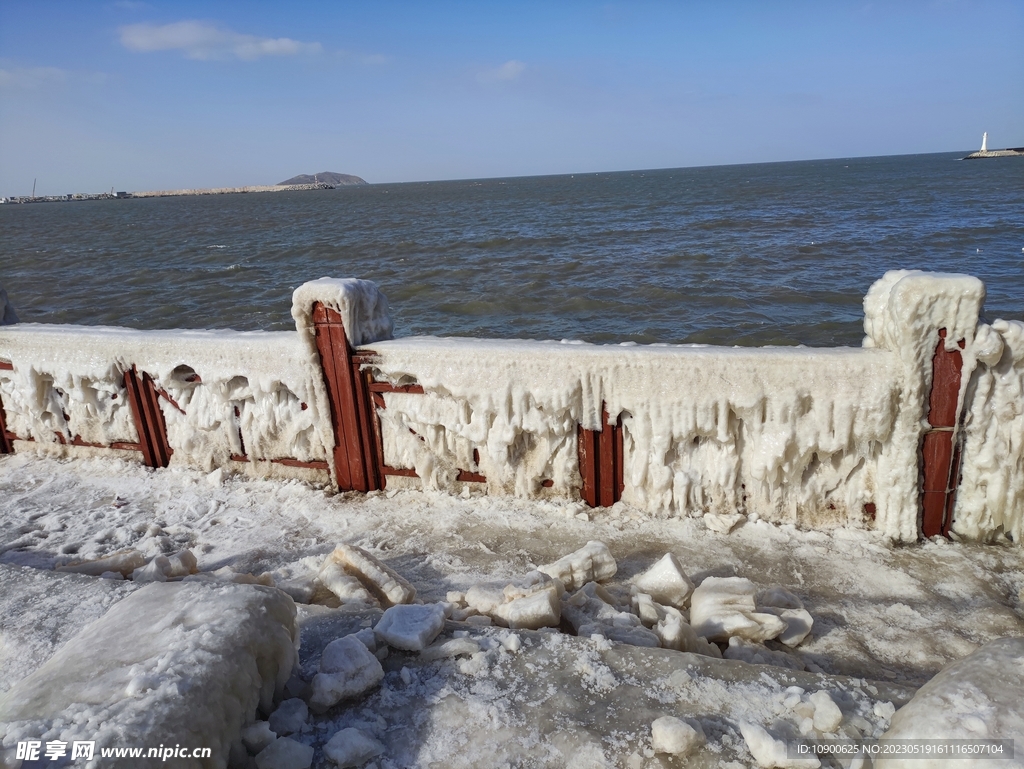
x=168, y=193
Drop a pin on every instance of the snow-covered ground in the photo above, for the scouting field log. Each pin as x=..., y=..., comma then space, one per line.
x=886, y=618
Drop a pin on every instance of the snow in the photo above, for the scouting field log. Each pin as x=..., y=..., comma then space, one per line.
x=172, y=663
x=890, y=617
x=975, y=698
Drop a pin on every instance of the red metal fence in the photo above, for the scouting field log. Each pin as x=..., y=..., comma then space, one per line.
x=359, y=463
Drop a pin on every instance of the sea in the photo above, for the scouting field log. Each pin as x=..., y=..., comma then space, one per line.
x=764, y=254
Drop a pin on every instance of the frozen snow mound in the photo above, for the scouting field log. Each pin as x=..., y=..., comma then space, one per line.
x=175, y=663
x=976, y=698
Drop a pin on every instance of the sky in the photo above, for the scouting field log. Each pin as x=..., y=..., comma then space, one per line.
x=168, y=95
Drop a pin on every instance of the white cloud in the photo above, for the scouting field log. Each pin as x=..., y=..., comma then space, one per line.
x=203, y=40
x=510, y=70
x=31, y=77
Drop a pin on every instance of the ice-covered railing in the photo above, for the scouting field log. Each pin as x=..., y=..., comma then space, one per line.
x=818, y=437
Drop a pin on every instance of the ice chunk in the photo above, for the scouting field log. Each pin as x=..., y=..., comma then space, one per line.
x=787, y=607
x=672, y=735
x=779, y=598
x=770, y=752
x=174, y=662
x=227, y=574
x=375, y=576
x=591, y=563
x=647, y=609
x=722, y=607
x=347, y=669
x=123, y=561
x=452, y=647
x=530, y=602
x=540, y=609
x=285, y=753
x=759, y=654
x=593, y=604
x=975, y=698
x=347, y=588
x=486, y=597
x=666, y=582
x=675, y=633
x=256, y=736
x=289, y=717
x=634, y=636
x=182, y=564
x=827, y=715
x=156, y=570
x=411, y=627
x=721, y=522
x=352, y=747
x=368, y=637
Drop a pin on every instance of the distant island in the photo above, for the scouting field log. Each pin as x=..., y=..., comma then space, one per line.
x=328, y=177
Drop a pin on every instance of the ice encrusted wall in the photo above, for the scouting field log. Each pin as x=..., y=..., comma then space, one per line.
x=817, y=437
x=68, y=381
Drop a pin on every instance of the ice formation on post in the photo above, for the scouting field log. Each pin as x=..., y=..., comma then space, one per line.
x=185, y=663
x=990, y=500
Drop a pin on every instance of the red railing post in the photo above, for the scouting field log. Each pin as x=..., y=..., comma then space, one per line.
x=600, y=456
x=351, y=406
x=940, y=458
x=5, y=440
x=5, y=443
x=149, y=419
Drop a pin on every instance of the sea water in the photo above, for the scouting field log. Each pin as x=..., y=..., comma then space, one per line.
x=775, y=253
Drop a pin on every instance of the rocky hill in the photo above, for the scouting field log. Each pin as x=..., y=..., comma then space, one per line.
x=330, y=177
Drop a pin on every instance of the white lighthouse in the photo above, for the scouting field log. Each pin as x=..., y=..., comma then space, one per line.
x=984, y=142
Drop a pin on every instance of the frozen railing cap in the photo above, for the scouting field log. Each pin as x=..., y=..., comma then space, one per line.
x=7, y=316
x=904, y=308
x=363, y=307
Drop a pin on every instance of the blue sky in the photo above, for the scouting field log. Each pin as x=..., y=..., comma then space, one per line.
x=151, y=95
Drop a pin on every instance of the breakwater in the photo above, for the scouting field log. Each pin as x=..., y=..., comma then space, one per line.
x=916, y=432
